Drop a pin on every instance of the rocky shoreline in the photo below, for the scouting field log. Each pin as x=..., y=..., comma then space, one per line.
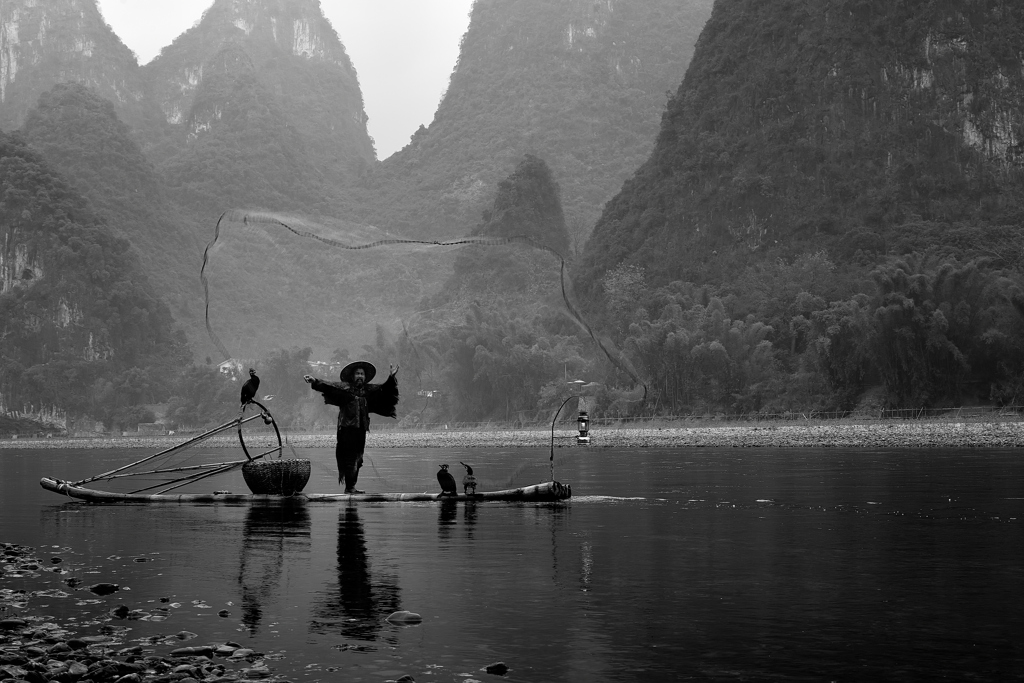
x=875, y=434
x=97, y=645
x=36, y=649
x=40, y=652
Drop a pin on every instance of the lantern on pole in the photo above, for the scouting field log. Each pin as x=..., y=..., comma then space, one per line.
x=583, y=422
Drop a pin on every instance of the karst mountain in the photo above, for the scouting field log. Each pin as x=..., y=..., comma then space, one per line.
x=260, y=106
x=581, y=84
x=858, y=127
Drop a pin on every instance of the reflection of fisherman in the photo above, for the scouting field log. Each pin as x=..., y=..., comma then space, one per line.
x=356, y=399
x=357, y=605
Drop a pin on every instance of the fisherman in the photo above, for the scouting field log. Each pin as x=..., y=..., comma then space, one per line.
x=356, y=399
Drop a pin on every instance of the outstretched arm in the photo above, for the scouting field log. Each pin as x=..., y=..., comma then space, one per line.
x=382, y=398
x=335, y=393
x=314, y=383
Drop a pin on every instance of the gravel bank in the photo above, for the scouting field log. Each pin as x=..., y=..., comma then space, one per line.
x=894, y=434
x=96, y=646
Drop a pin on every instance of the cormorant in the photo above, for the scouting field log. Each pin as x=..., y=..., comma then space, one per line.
x=469, y=481
x=447, y=482
x=250, y=387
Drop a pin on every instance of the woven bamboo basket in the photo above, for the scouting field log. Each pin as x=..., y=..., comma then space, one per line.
x=276, y=477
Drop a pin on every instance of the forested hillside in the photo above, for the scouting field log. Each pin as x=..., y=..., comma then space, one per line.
x=581, y=84
x=526, y=204
x=81, y=329
x=79, y=132
x=831, y=214
x=852, y=125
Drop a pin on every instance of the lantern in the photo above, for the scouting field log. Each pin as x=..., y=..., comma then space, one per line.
x=584, y=425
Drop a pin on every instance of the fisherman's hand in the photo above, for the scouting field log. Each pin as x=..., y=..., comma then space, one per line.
x=308, y=379
x=394, y=369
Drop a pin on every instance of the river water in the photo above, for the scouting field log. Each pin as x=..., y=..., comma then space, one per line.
x=667, y=564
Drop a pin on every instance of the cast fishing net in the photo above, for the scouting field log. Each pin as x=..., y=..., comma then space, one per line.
x=394, y=268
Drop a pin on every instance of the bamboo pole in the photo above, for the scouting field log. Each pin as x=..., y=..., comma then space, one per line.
x=226, y=467
x=201, y=476
x=175, y=469
x=193, y=440
x=188, y=479
x=185, y=481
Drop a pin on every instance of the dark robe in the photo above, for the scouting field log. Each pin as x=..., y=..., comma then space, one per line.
x=354, y=407
x=355, y=404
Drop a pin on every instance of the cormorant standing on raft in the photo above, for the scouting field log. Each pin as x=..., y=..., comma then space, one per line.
x=469, y=481
x=250, y=387
x=447, y=482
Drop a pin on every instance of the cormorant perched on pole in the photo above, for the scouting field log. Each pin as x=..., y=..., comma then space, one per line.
x=469, y=481
x=250, y=387
x=447, y=482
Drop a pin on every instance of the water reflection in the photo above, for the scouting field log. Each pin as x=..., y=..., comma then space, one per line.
x=447, y=513
x=356, y=606
x=469, y=512
x=270, y=533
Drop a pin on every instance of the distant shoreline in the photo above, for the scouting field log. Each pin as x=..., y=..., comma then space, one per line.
x=881, y=434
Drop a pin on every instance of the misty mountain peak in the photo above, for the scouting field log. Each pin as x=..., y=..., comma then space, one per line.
x=45, y=43
x=267, y=30
x=581, y=82
x=297, y=27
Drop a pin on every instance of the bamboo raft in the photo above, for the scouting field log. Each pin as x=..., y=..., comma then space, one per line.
x=548, y=491
x=274, y=479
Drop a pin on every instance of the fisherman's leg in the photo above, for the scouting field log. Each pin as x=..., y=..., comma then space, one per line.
x=357, y=463
x=351, y=474
x=344, y=454
x=348, y=469
x=358, y=444
x=339, y=457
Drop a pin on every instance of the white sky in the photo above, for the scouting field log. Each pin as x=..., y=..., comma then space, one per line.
x=403, y=50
